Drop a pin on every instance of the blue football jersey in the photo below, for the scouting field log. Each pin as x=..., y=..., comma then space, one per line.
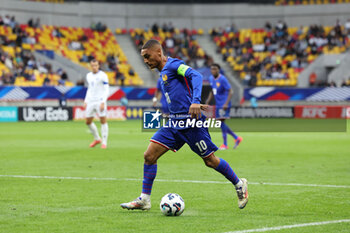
x=181, y=86
x=221, y=88
x=163, y=99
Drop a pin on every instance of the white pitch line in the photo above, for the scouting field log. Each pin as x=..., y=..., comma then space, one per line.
x=291, y=226
x=174, y=181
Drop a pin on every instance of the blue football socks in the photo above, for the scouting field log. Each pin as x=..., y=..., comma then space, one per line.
x=225, y=169
x=149, y=174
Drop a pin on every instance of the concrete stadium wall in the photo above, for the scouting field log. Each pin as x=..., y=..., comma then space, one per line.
x=206, y=16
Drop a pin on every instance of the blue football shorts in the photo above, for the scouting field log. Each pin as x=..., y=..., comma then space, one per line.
x=198, y=139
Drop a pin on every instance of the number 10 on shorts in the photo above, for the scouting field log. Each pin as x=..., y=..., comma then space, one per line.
x=202, y=146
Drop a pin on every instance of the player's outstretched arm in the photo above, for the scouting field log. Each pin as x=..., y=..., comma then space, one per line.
x=196, y=80
x=229, y=96
x=87, y=95
x=105, y=88
x=209, y=97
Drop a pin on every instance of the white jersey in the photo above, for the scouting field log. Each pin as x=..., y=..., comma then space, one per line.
x=98, y=88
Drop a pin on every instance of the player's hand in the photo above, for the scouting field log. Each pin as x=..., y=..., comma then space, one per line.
x=195, y=111
x=154, y=101
x=224, y=107
x=204, y=107
x=84, y=106
x=102, y=107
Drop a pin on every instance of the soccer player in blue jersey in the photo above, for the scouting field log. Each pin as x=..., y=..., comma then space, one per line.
x=222, y=92
x=182, y=87
x=159, y=94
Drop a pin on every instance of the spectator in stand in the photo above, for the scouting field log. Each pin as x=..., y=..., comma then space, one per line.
x=280, y=50
x=253, y=79
x=80, y=82
x=171, y=27
x=155, y=28
x=13, y=22
x=83, y=38
x=91, y=57
x=46, y=81
x=182, y=45
x=98, y=26
x=169, y=43
x=268, y=26
x=64, y=76
x=8, y=79
x=56, y=33
x=7, y=20
x=101, y=27
x=75, y=45
x=332, y=84
x=119, y=76
x=30, y=22
x=37, y=23
x=22, y=64
x=347, y=27
x=33, y=24
x=165, y=27
x=338, y=29
x=84, y=58
x=131, y=71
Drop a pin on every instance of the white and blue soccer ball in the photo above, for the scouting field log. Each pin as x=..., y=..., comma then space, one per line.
x=124, y=101
x=172, y=204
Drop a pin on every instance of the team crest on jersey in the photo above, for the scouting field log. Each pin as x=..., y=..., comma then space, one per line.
x=218, y=84
x=165, y=78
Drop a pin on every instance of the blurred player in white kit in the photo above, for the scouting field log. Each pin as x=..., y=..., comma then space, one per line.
x=96, y=102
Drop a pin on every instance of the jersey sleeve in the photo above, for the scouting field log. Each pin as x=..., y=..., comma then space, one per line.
x=195, y=78
x=159, y=86
x=105, y=87
x=88, y=91
x=226, y=84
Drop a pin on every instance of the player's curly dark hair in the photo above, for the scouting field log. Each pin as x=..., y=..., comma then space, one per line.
x=216, y=65
x=94, y=60
x=151, y=43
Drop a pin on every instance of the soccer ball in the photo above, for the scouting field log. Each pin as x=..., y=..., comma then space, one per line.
x=172, y=204
x=124, y=101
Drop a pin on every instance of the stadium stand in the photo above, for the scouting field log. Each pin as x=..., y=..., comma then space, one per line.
x=80, y=45
x=178, y=43
x=275, y=55
x=18, y=65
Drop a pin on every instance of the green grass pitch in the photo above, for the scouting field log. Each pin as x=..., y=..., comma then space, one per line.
x=86, y=205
